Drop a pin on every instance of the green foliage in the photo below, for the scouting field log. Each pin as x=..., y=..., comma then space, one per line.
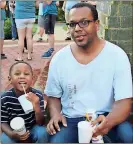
x=61, y=15
x=34, y=29
x=7, y=29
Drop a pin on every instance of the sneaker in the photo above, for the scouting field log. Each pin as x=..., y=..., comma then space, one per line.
x=39, y=40
x=48, y=53
x=68, y=38
x=3, y=56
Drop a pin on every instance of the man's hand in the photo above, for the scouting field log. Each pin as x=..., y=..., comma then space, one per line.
x=34, y=99
x=103, y=128
x=21, y=137
x=53, y=124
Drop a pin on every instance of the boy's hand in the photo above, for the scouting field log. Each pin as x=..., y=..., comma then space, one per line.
x=34, y=99
x=21, y=137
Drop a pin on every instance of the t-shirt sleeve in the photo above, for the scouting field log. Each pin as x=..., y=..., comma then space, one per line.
x=4, y=111
x=122, y=78
x=53, y=87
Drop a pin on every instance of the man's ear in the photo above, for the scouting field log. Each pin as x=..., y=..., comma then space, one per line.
x=97, y=25
x=9, y=78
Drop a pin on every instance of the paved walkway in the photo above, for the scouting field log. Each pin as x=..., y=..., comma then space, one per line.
x=38, y=64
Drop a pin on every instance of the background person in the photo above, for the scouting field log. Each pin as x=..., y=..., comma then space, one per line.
x=2, y=18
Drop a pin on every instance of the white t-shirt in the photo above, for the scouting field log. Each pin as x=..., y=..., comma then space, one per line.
x=95, y=85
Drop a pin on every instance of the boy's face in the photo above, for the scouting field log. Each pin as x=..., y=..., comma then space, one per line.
x=21, y=74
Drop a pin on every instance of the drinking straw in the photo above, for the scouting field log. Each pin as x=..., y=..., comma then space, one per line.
x=24, y=89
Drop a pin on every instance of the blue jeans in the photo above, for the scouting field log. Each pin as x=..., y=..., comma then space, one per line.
x=38, y=134
x=14, y=29
x=121, y=133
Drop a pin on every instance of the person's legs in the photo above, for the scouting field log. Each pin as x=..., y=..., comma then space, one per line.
x=67, y=134
x=39, y=134
x=14, y=29
x=41, y=25
x=49, y=29
x=6, y=140
x=2, y=39
x=29, y=42
x=21, y=37
x=29, y=37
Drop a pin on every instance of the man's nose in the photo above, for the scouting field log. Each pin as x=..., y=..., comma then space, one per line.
x=77, y=27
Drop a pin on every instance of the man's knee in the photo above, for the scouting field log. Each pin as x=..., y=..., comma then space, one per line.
x=125, y=132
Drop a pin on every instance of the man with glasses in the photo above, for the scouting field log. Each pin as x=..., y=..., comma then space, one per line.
x=90, y=73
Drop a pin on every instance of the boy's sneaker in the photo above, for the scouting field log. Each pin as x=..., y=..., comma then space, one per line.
x=48, y=53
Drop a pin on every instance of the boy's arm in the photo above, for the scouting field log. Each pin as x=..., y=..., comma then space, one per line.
x=37, y=107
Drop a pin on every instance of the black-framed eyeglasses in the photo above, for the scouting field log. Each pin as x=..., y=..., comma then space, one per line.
x=82, y=24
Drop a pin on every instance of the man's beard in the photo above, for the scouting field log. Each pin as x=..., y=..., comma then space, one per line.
x=84, y=45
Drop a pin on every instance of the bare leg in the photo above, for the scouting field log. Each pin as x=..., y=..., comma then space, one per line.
x=29, y=41
x=21, y=37
x=1, y=45
x=51, y=40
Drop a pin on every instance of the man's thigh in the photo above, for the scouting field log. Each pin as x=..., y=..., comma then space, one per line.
x=122, y=133
x=65, y=135
x=125, y=132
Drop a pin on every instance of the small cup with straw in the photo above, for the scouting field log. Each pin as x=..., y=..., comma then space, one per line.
x=26, y=104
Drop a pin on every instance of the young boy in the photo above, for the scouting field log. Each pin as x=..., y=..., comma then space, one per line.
x=21, y=73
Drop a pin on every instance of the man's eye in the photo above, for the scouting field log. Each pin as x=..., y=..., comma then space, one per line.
x=72, y=24
x=84, y=22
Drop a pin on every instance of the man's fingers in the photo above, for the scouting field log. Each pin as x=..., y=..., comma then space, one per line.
x=56, y=124
x=64, y=121
x=98, y=120
x=50, y=128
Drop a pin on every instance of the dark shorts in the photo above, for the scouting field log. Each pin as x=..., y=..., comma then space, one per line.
x=50, y=23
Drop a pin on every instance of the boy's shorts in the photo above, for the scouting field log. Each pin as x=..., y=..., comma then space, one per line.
x=50, y=23
x=24, y=23
x=1, y=29
x=41, y=21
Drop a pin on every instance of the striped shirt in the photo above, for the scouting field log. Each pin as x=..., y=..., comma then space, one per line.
x=11, y=108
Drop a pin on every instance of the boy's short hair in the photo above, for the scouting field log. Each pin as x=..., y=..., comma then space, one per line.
x=10, y=70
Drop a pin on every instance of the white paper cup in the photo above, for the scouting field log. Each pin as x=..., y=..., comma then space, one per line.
x=18, y=125
x=26, y=104
x=85, y=132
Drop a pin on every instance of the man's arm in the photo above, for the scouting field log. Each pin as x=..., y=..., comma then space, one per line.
x=3, y=4
x=56, y=116
x=120, y=111
x=54, y=105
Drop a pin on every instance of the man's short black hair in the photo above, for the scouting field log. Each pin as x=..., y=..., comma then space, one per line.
x=91, y=7
x=10, y=70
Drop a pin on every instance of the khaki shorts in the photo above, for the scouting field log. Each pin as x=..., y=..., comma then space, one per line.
x=24, y=23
